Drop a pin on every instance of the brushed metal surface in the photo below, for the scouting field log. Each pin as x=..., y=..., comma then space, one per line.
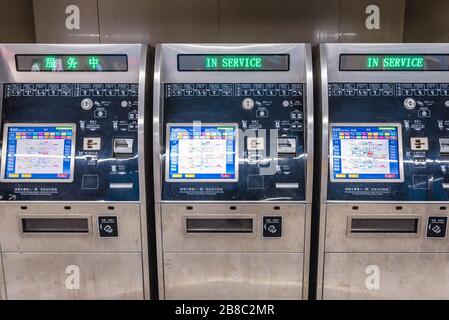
x=16, y=22
x=279, y=21
x=9, y=74
x=402, y=276
x=2, y=280
x=50, y=21
x=170, y=215
x=13, y=239
x=426, y=21
x=338, y=240
x=131, y=215
x=101, y=276
x=175, y=238
x=332, y=51
x=233, y=275
x=158, y=21
x=352, y=16
x=341, y=253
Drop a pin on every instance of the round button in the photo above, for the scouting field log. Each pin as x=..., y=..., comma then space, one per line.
x=248, y=103
x=100, y=113
x=86, y=104
x=285, y=103
x=410, y=103
x=446, y=103
x=124, y=103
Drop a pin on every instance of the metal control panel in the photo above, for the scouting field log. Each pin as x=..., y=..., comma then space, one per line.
x=72, y=191
x=233, y=169
x=385, y=173
x=104, y=117
x=258, y=109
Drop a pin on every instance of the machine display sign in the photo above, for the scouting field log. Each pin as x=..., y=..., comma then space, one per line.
x=394, y=62
x=38, y=153
x=233, y=62
x=71, y=63
x=204, y=152
x=366, y=153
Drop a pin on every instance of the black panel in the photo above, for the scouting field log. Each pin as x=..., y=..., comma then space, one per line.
x=112, y=115
x=425, y=171
x=276, y=106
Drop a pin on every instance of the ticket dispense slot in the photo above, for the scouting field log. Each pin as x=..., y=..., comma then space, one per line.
x=55, y=225
x=219, y=225
x=384, y=225
x=286, y=146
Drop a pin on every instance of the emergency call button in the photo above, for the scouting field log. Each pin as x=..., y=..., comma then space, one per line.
x=436, y=227
x=108, y=226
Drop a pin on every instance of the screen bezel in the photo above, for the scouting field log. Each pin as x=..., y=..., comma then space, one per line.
x=366, y=124
x=391, y=54
x=233, y=54
x=192, y=124
x=70, y=55
x=5, y=147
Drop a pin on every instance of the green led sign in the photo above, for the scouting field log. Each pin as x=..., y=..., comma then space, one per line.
x=50, y=63
x=233, y=62
x=93, y=62
x=395, y=62
x=70, y=62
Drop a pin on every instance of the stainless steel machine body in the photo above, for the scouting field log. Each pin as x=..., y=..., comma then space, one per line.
x=73, y=197
x=243, y=233
x=384, y=191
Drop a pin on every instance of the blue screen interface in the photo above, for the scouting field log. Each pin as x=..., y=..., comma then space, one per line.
x=365, y=152
x=38, y=153
x=202, y=153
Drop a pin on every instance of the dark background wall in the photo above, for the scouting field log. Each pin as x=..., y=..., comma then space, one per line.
x=16, y=21
x=154, y=21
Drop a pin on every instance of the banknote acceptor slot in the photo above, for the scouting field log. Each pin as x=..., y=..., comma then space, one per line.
x=123, y=147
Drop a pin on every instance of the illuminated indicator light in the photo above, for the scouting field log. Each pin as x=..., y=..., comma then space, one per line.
x=373, y=62
x=211, y=62
x=395, y=62
x=233, y=62
x=50, y=63
x=72, y=63
x=93, y=62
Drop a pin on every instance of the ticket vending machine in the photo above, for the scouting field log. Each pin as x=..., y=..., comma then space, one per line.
x=233, y=170
x=72, y=192
x=385, y=171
